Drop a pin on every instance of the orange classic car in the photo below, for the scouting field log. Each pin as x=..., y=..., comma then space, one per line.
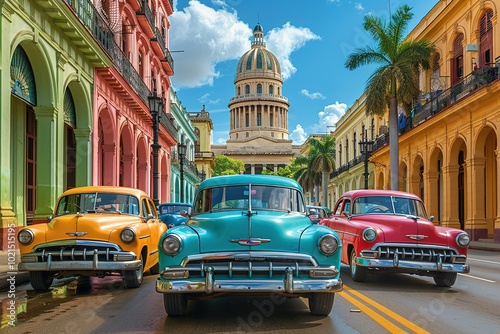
x=385, y=230
x=95, y=231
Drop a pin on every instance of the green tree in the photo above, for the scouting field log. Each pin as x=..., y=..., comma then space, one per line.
x=304, y=174
x=395, y=78
x=286, y=171
x=323, y=160
x=227, y=166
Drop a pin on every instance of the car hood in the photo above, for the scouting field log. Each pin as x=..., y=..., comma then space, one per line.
x=238, y=231
x=405, y=229
x=92, y=226
x=171, y=219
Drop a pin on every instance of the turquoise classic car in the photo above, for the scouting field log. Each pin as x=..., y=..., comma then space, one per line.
x=249, y=235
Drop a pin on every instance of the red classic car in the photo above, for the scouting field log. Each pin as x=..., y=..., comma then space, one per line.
x=390, y=230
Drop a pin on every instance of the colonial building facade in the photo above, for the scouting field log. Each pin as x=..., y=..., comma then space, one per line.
x=450, y=143
x=77, y=78
x=258, y=113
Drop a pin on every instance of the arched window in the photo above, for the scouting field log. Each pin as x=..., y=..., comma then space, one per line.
x=247, y=89
x=271, y=89
x=239, y=91
x=259, y=119
x=486, y=39
x=457, y=63
x=259, y=89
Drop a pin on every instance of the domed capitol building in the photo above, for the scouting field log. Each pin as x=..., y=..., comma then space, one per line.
x=258, y=112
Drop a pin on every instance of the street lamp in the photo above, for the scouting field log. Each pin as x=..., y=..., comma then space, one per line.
x=181, y=149
x=366, y=147
x=155, y=107
x=203, y=175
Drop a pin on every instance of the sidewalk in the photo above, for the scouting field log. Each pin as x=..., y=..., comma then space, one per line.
x=9, y=274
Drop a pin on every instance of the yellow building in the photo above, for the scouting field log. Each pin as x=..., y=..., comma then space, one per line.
x=204, y=157
x=448, y=151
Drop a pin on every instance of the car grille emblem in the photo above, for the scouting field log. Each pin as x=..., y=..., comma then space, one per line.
x=250, y=242
x=417, y=236
x=76, y=234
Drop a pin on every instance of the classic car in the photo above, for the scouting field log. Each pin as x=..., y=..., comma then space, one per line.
x=249, y=235
x=317, y=213
x=94, y=231
x=173, y=214
x=385, y=230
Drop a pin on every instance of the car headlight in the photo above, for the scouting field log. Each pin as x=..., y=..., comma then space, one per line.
x=328, y=244
x=463, y=239
x=171, y=245
x=127, y=235
x=369, y=234
x=25, y=237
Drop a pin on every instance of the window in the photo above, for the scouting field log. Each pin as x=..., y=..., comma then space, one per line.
x=259, y=89
x=486, y=38
x=259, y=119
x=247, y=120
x=457, y=70
x=271, y=119
x=271, y=89
x=247, y=89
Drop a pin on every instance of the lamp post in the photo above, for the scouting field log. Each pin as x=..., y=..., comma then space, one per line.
x=366, y=147
x=155, y=107
x=203, y=175
x=181, y=149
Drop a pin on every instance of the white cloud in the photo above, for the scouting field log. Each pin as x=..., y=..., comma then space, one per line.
x=201, y=33
x=358, y=6
x=328, y=117
x=285, y=40
x=298, y=135
x=312, y=96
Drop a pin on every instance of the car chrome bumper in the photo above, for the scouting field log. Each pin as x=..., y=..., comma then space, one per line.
x=125, y=261
x=412, y=265
x=210, y=284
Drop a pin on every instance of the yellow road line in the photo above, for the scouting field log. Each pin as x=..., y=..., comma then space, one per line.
x=391, y=328
x=383, y=309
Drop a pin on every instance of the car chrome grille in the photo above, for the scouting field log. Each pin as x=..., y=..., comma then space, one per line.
x=253, y=266
x=74, y=252
x=412, y=253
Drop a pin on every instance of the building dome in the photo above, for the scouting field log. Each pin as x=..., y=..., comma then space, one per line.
x=258, y=61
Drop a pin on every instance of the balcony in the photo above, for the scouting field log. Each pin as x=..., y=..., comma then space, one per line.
x=168, y=62
x=260, y=96
x=478, y=79
x=146, y=18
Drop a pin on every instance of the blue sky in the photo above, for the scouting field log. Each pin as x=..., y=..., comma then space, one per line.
x=311, y=39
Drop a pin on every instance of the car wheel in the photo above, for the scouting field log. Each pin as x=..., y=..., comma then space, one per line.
x=321, y=303
x=175, y=303
x=445, y=279
x=133, y=278
x=155, y=270
x=41, y=280
x=358, y=273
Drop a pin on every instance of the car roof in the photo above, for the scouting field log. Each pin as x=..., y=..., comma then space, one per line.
x=229, y=180
x=106, y=189
x=175, y=203
x=378, y=192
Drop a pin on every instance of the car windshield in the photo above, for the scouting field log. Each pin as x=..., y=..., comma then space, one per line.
x=98, y=202
x=389, y=205
x=254, y=197
x=173, y=209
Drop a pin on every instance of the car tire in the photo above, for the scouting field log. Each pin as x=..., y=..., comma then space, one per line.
x=358, y=273
x=321, y=303
x=445, y=279
x=175, y=304
x=155, y=270
x=41, y=280
x=133, y=278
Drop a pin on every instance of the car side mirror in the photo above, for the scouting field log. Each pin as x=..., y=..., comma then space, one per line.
x=431, y=218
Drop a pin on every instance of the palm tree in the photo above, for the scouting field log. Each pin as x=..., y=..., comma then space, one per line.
x=395, y=79
x=304, y=175
x=324, y=160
